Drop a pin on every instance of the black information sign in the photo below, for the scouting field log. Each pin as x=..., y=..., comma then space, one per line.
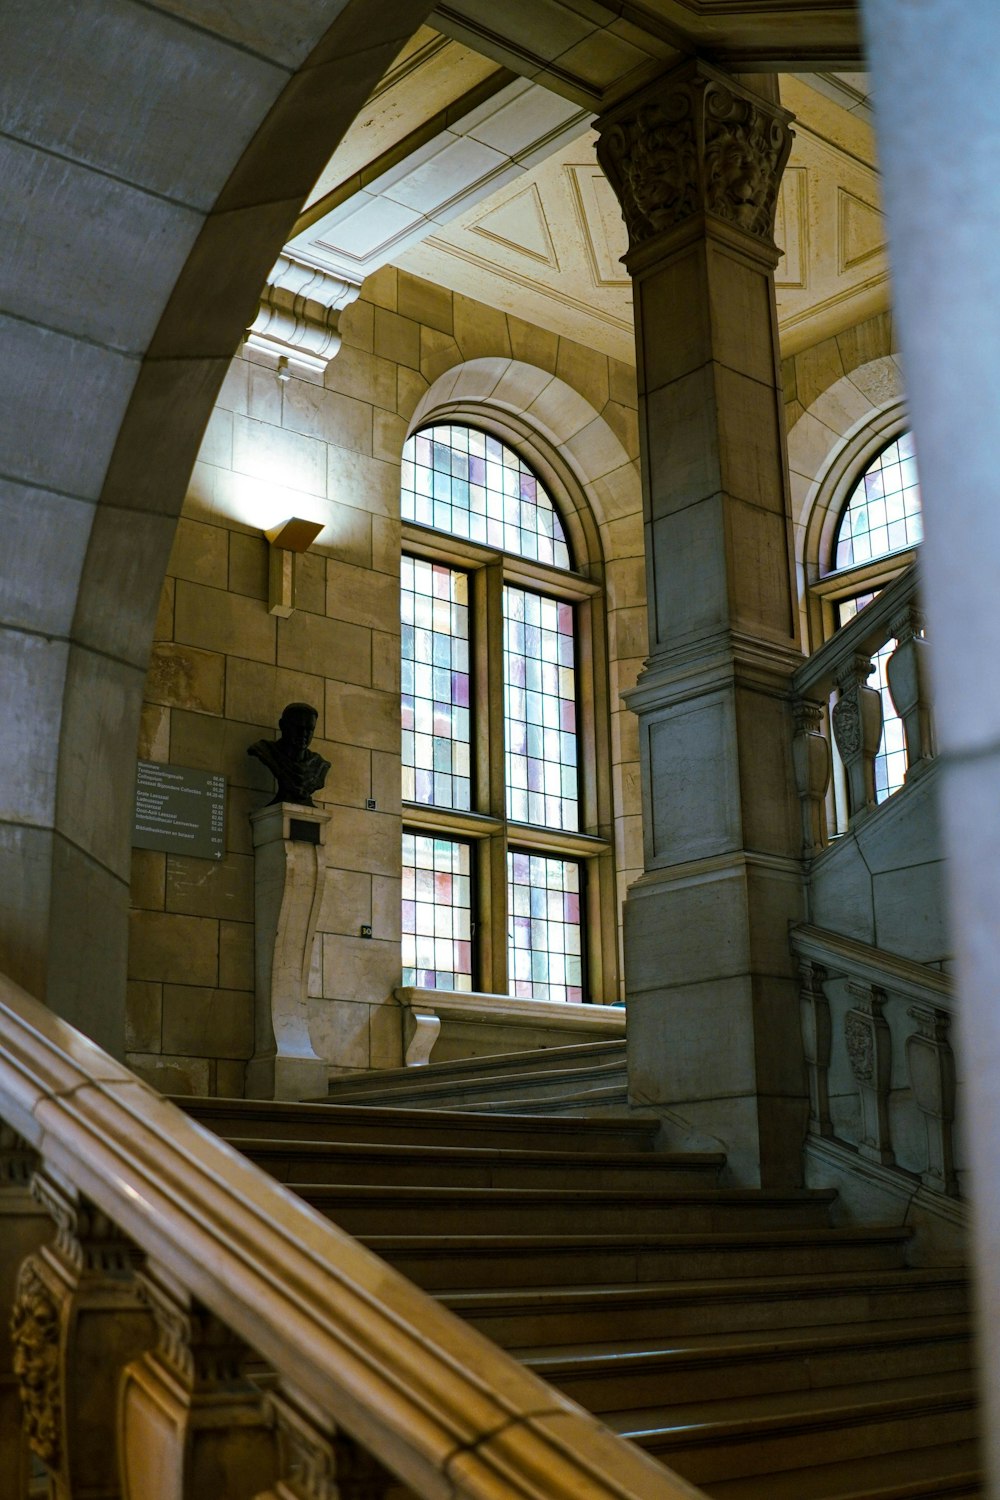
x=180, y=811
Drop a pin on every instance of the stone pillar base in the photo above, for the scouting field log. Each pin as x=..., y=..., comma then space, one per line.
x=286, y=1078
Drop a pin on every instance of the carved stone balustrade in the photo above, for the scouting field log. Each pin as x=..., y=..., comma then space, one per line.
x=173, y=1257
x=882, y=1080
x=840, y=670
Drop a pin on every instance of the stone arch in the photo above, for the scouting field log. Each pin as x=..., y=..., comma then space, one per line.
x=847, y=423
x=596, y=484
x=180, y=147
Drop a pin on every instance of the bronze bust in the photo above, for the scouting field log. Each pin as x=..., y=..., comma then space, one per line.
x=298, y=770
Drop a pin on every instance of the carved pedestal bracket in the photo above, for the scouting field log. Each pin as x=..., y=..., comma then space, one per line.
x=78, y=1319
x=317, y=1461
x=811, y=759
x=24, y=1228
x=908, y=672
x=931, y=1066
x=869, y=1052
x=299, y=317
x=857, y=728
x=694, y=142
x=814, y=1012
x=191, y=1422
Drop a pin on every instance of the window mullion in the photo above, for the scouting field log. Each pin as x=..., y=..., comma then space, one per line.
x=489, y=735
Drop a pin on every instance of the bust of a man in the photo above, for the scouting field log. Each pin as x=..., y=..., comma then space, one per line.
x=298, y=770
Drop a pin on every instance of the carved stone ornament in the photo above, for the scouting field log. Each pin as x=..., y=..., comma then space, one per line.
x=860, y=1046
x=35, y=1361
x=695, y=142
x=847, y=725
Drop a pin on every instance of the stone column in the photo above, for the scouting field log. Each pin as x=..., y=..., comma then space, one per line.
x=696, y=160
x=289, y=866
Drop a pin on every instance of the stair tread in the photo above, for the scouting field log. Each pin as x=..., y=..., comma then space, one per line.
x=793, y=1197
x=769, y=1411
x=655, y=1240
x=254, y=1146
x=740, y=1289
x=882, y=1476
x=746, y=1345
x=324, y=1112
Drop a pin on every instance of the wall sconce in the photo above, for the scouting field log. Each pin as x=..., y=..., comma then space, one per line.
x=286, y=540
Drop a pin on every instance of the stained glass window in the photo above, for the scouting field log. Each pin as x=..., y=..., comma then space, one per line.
x=468, y=483
x=883, y=513
x=890, y=762
x=435, y=685
x=437, y=913
x=544, y=935
x=540, y=710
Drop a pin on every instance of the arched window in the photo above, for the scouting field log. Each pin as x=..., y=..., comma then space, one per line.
x=879, y=527
x=497, y=703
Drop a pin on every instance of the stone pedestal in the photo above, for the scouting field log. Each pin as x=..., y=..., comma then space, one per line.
x=289, y=866
x=713, y=1033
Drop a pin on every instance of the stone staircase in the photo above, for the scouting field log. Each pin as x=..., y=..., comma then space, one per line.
x=733, y=1333
x=582, y=1079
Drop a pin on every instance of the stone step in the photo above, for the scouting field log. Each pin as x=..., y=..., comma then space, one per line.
x=500, y=1065
x=476, y=1166
x=574, y=1088
x=368, y=1209
x=763, y=1435
x=279, y=1120
x=946, y=1471
x=590, y=1103
x=722, y=1367
x=465, y=1262
x=550, y=1317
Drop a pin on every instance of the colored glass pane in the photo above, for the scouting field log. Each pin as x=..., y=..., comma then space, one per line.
x=437, y=913
x=539, y=679
x=544, y=935
x=435, y=685
x=883, y=513
x=468, y=483
x=890, y=762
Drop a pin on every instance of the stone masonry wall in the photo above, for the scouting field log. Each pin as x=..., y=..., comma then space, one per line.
x=222, y=668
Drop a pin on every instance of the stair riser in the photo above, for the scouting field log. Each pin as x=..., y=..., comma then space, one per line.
x=522, y=1098
x=580, y=1061
x=718, y=1460
x=465, y=1130
x=542, y=1325
x=440, y=1272
x=426, y=1172
x=499, y=1216
x=666, y=1385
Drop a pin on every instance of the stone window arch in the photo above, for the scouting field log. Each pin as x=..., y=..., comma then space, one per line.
x=501, y=841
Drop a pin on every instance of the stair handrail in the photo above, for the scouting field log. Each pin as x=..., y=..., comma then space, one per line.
x=903, y=976
x=439, y=1405
x=864, y=635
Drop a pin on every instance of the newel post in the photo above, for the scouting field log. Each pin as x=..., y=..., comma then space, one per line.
x=857, y=728
x=814, y=1016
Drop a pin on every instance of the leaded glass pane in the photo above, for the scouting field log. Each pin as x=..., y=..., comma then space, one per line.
x=437, y=913
x=883, y=513
x=435, y=685
x=539, y=679
x=890, y=762
x=470, y=484
x=544, y=934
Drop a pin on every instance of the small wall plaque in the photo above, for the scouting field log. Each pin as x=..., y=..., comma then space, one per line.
x=180, y=811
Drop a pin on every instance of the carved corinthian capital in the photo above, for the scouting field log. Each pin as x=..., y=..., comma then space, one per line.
x=695, y=142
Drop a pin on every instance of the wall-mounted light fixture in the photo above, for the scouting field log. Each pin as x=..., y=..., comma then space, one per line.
x=295, y=535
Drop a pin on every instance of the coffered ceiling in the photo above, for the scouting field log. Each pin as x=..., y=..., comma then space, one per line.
x=473, y=163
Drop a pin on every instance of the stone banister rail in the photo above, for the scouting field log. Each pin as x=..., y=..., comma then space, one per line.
x=842, y=665
x=229, y=1262
x=881, y=1070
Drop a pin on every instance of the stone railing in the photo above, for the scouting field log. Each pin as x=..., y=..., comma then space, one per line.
x=876, y=1036
x=476, y=1024
x=147, y=1263
x=842, y=666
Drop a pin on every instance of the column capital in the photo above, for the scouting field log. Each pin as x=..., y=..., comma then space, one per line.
x=695, y=142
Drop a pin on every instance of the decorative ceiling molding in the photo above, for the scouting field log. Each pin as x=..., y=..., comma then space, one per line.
x=601, y=224
x=860, y=230
x=791, y=230
x=520, y=224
